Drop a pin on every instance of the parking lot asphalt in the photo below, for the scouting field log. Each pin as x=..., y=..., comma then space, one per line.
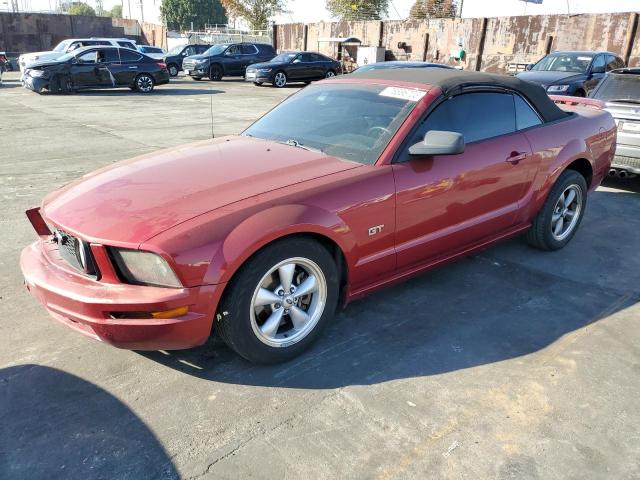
x=512, y=364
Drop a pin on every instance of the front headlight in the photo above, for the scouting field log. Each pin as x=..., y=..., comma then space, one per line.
x=144, y=268
x=264, y=70
x=38, y=73
x=202, y=63
x=558, y=88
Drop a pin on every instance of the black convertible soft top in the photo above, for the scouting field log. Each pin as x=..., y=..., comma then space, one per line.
x=453, y=82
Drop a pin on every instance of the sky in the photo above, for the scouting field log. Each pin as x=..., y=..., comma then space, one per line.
x=314, y=10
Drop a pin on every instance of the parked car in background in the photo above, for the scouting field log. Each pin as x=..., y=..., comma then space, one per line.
x=153, y=52
x=176, y=56
x=397, y=64
x=68, y=46
x=91, y=67
x=620, y=90
x=571, y=73
x=291, y=67
x=227, y=59
x=352, y=184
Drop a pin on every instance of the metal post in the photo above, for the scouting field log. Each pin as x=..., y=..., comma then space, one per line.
x=628, y=47
x=483, y=34
x=425, y=47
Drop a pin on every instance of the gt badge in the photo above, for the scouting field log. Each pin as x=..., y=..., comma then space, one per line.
x=375, y=230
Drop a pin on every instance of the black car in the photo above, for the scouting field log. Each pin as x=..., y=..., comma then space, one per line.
x=176, y=55
x=101, y=67
x=571, y=73
x=227, y=59
x=293, y=67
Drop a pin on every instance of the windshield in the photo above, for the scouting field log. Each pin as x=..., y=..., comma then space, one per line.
x=176, y=50
x=216, y=50
x=68, y=56
x=564, y=62
x=354, y=122
x=619, y=87
x=61, y=47
x=284, y=57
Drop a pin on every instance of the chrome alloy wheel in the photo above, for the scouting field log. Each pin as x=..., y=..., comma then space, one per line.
x=280, y=79
x=144, y=83
x=566, y=212
x=288, y=302
x=330, y=74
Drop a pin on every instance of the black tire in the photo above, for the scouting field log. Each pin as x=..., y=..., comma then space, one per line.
x=257, y=84
x=540, y=235
x=144, y=83
x=173, y=69
x=280, y=79
x=233, y=321
x=330, y=73
x=215, y=72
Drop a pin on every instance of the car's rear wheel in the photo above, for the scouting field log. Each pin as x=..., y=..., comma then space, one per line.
x=280, y=300
x=144, y=83
x=173, y=69
x=215, y=72
x=558, y=220
x=280, y=79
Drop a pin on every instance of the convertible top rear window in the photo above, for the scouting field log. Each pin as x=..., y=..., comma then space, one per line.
x=354, y=122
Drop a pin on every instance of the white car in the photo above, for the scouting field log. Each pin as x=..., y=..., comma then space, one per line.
x=71, y=44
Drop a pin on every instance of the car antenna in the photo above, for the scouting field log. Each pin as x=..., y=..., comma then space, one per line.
x=211, y=110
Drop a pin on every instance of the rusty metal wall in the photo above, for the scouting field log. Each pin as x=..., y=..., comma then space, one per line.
x=32, y=32
x=490, y=44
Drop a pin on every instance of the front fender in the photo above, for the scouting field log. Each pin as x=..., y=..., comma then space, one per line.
x=268, y=225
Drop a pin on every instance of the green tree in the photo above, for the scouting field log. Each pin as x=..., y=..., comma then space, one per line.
x=81, y=9
x=179, y=14
x=255, y=12
x=115, y=12
x=433, y=9
x=358, y=9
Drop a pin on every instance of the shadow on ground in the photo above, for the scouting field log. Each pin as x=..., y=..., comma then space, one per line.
x=75, y=430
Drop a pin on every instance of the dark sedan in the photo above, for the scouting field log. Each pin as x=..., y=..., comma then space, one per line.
x=293, y=67
x=397, y=64
x=91, y=67
x=571, y=73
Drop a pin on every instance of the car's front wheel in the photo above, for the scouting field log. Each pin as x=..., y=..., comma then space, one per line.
x=280, y=300
x=173, y=69
x=144, y=83
x=280, y=80
x=558, y=220
x=330, y=73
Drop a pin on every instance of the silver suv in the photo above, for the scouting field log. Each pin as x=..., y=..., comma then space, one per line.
x=620, y=90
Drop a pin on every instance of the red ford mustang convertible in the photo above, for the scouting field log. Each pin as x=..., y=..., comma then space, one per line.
x=345, y=187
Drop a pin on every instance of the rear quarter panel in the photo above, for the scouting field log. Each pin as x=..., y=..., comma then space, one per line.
x=588, y=134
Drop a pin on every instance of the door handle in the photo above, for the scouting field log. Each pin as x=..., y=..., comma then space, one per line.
x=516, y=157
x=133, y=68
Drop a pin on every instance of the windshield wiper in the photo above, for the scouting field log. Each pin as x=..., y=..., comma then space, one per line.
x=294, y=143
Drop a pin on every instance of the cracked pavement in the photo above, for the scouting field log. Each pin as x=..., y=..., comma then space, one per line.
x=514, y=363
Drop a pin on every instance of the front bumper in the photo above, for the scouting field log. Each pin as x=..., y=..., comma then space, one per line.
x=36, y=84
x=196, y=71
x=85, y=305
x=258, y=77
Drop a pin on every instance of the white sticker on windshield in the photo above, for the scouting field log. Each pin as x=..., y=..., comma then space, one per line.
x=588, y=59
x=403, y=93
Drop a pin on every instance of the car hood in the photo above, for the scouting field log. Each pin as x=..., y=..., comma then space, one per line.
x=196, y=57
x=551, y=78
x=134, y=200
x=43, y=63
x=268, y=65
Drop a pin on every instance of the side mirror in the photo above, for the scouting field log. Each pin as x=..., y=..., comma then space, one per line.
x=297, y=60
x=439, y=142
x=529, y=66
x=599, y=69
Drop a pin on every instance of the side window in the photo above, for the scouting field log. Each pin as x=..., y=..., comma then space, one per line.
x=201, y=48
x=248, y=50
x=127, y=45
x=189, y=51
x=611, y=62
x=89, y=57
x=127, y=55
x=307, y=58
x=109, y=55
x=598, y=62
x=477, y=116
x=525, y=116
x=619, y=63
x=319, y=58
x=233, y=50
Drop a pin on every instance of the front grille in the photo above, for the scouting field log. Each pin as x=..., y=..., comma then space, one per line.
x=624, y=161
x=188, y=65
x=75, y=252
